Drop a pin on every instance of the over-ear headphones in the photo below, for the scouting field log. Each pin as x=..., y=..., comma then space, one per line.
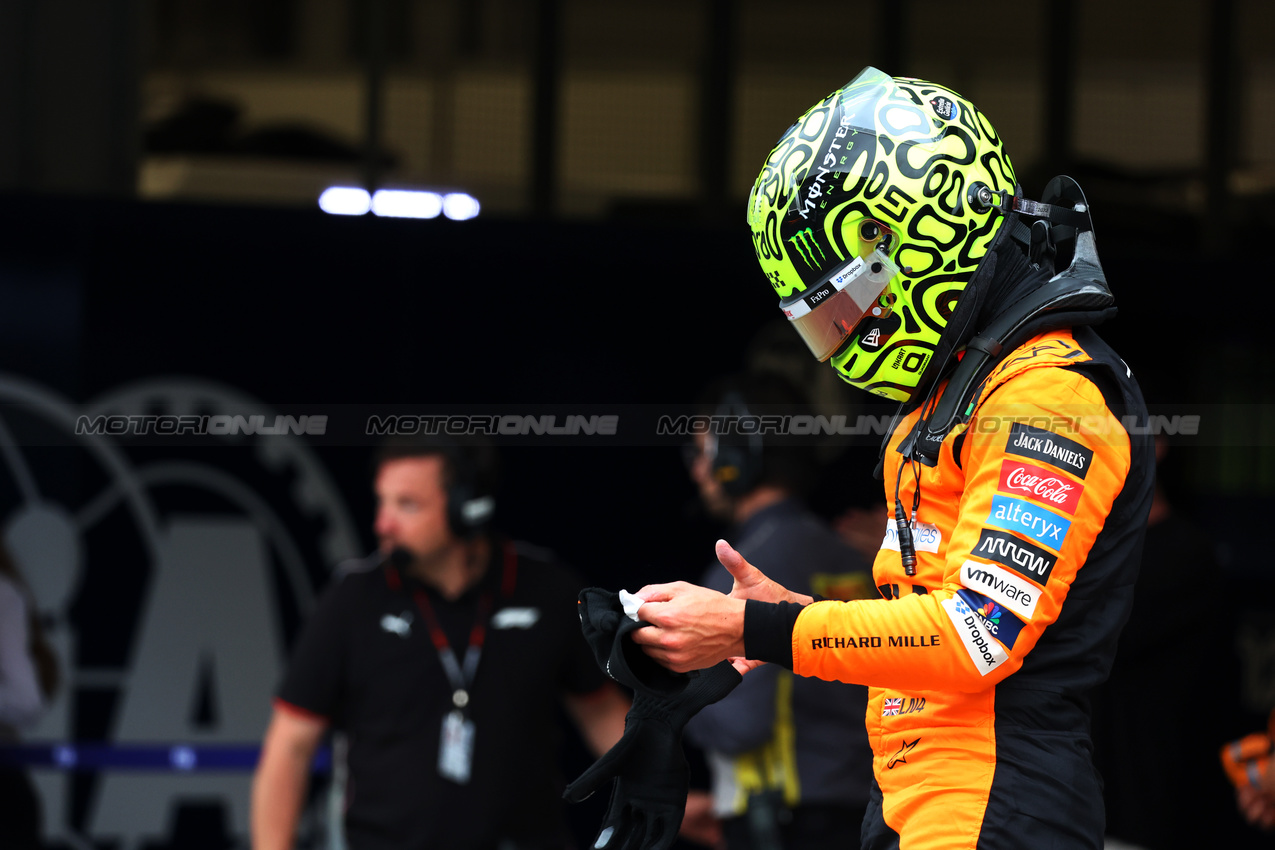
x=735, y=458
x=471, y=500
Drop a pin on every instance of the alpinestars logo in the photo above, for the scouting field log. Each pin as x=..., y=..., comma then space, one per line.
x=901, y=757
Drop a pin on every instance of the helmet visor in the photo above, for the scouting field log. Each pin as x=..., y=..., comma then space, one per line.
x=827, y=314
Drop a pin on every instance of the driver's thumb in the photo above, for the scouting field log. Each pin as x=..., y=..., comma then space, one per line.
x=742, y=571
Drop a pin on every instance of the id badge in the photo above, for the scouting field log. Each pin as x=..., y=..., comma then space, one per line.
x=456, y=750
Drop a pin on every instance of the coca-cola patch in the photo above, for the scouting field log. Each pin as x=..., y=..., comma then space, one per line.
x=1040, y=484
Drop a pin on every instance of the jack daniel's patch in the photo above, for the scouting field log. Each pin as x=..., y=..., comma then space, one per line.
x=1064, y=454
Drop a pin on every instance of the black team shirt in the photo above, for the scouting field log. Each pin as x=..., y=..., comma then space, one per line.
x=366, y=662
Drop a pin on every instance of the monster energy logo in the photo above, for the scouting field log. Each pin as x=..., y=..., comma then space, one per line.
x=805, y=244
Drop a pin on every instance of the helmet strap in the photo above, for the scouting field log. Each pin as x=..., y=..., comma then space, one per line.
x=1061, y=302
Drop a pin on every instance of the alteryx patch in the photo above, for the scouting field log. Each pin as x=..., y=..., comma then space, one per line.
x=1065, y=454
x=1032, y=521
x=996, y=619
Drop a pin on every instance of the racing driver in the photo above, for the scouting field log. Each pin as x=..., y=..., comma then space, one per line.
x=891, y=227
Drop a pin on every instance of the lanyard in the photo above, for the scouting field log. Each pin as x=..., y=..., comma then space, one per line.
x=461, y=675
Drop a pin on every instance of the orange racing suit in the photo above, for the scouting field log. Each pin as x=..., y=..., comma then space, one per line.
x=1028, y=533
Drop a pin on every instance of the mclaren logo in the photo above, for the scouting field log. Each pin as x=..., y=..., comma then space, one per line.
x=806, y=245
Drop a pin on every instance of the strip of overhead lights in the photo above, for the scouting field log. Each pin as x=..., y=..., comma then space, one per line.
x=398, y=203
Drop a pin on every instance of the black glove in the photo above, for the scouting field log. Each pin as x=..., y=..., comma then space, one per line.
x=648, y=766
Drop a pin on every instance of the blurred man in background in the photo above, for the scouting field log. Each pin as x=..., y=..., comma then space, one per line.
x=444, y=666
x=788, y=756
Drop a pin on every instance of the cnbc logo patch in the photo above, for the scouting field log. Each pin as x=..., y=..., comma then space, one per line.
x=998, y=622
x=991, y=612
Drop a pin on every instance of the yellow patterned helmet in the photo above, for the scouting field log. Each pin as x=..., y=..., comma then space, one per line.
x=870, y=217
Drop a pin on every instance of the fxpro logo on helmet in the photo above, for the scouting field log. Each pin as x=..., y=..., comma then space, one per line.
x=819, y=294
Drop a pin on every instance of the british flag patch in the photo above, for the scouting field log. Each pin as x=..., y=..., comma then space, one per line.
x=892, y=706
